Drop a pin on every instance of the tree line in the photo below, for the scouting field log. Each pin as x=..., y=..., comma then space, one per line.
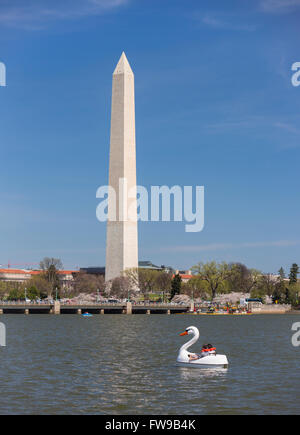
x=42, y=285
x=212, y=278
x=208, y=280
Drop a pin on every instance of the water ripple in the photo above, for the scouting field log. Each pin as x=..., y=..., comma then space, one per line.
x=126, y=365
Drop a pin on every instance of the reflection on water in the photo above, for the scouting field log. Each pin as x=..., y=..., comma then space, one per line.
x=197, y=374
x=117, y=364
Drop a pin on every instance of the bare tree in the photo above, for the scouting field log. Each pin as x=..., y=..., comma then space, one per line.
x=120, y=287
x=267, y=284
x=163, y=281
x=87, y=283
x=241, y=278
x=48, y=262
x=50, y=267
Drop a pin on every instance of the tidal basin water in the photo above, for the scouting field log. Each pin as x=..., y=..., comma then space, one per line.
x=118, y=364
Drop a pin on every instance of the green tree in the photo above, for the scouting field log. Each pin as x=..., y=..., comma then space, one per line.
x=281, y=273
x=33, y=293
x=4, y=290
x=16, y=294
x=294, y=273
x=196, y=288
x=287, y=296
x=41, y=283
x=279, y=292
x=142, y=279
x=258, y=293
x=215, y=274
x=292, y=294
x=175, y=286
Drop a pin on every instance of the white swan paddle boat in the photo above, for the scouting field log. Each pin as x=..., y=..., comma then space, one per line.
x=207, y=358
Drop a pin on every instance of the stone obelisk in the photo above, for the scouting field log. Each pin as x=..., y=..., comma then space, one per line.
x=122, y=233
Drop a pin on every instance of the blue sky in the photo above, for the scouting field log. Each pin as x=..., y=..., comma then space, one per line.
x=214, y=106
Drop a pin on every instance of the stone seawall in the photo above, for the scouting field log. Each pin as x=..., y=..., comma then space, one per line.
x=272, y=309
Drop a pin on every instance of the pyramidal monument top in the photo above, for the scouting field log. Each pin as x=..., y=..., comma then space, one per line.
x=123, y=66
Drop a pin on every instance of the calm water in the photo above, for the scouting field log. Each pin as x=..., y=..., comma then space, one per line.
x=118, y=364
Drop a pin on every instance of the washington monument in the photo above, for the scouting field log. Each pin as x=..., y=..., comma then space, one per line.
x=122, y=233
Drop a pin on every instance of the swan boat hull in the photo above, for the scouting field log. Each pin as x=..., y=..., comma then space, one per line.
x=208, y=361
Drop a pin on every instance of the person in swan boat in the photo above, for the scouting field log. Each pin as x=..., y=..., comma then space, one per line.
x=193, y=356
x=207, y=349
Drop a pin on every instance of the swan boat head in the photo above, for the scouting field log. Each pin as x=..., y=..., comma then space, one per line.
x=192, y=330
x=183, y=351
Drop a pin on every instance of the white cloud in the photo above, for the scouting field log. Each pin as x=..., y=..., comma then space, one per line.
x=253, y=122
x=279, y=6
x=288, y=127
x=36, y=12
x=220, y=23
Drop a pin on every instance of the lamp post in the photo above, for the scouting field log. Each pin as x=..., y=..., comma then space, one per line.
x=25, y=291
x=98, y=295
x=56, y=293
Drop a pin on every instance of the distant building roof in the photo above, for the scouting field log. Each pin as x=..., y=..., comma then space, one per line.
x=93, y=270
x=185, y=276
x=34, y=272
x=148, y=265
x=142, y=265
x=14, y=271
